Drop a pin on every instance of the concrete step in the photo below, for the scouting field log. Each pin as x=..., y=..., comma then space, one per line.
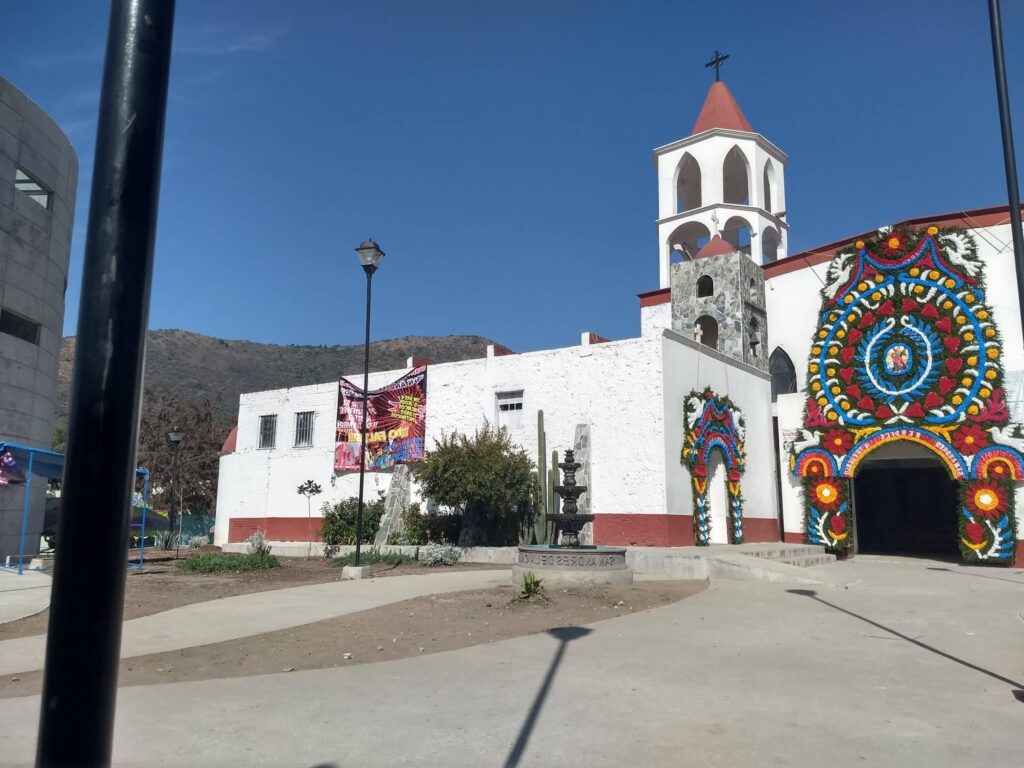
x=807, y=561
x=782, y=552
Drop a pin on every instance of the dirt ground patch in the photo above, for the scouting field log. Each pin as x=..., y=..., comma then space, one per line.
x=429, y=624
x=161, y=585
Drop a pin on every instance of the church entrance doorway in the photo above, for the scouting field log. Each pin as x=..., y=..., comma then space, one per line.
x=906, y=505
x=718, y=498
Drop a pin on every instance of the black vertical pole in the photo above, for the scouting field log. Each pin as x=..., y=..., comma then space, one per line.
x=1008, y=155
x=84, y=638
x=366, y=406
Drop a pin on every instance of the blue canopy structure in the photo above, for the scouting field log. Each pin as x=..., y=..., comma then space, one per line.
x=50, y=464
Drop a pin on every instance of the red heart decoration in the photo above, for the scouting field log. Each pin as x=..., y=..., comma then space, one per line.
x=943, y=325
x=915, y=410
x=853, y=391
x=883, y=412
x=975, y=532
x=946, y=384
x=847, y=354
x=854, y=336
x=952, y=343
x=932, y=401
x=930, y=311
x=953, y=365
x=887, y=308
x=909, y=305
x=866, y=404
x=867, y=320
x=846, y=373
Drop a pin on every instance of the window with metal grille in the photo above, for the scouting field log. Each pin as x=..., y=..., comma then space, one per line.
x=268, y=431
x=304, y=429
x=21, y=327
x=25, y=183
x=510, y=409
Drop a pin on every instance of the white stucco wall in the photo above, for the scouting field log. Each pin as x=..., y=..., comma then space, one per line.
x=688, y=367
x=654, y=319
x=616, y=387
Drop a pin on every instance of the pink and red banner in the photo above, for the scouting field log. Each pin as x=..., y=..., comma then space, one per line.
x=395, y=423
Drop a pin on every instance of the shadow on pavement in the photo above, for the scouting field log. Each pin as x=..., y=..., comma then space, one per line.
x=564, y=635
x=1018, y=693
x=975, y=575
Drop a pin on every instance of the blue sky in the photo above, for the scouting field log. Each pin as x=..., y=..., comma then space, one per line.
x=501, y=152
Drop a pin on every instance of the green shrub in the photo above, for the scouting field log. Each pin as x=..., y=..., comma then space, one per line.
x=440, y=554
x=442, y=527
x=339, y=521
x=373, y=557
x=485, y=477
x=216, y=562
x=413, y=527
x=198, y=541
x=258, y=544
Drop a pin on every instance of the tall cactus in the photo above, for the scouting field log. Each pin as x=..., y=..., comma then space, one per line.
x=540, y=522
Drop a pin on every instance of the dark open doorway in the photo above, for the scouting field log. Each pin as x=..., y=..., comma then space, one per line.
x=906, y=508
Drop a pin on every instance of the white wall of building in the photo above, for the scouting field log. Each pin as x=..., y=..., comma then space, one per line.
x=689, y=366
x=613, y=386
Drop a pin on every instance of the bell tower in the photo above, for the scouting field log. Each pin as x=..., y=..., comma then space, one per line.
x=723, y=179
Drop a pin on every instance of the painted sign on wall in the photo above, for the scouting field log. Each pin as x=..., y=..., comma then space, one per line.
x=395, y=423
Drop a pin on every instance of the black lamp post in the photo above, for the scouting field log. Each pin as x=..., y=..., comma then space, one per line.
x=174, y=435
x=370, y=256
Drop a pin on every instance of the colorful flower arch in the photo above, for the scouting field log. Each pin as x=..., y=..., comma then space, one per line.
x=907, y=350
x=714, y=423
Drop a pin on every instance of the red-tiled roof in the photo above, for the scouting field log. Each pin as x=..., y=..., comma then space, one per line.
x=716, y=246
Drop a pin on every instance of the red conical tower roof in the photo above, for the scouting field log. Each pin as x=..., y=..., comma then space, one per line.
x=720, y=110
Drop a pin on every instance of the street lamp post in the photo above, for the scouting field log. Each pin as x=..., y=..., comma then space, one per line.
x=370, y=256
x=174, y=435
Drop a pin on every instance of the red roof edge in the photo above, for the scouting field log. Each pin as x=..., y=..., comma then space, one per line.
x=653, y=298
x=970, y=219
x=231, y=443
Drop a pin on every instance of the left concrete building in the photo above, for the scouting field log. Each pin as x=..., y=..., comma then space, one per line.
x=38, y=182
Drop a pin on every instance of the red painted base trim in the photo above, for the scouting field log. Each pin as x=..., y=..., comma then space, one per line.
x=617, y=530
x=793, y=538
x=275, y=528
x=760, y=529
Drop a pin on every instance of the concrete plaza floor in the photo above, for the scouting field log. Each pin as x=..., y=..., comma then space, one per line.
x=905, y=663
x=22, y=595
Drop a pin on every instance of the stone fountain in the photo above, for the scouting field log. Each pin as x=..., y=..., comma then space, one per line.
x=567, y=561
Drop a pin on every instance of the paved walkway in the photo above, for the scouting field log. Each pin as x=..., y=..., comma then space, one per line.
x=911, y=663
x=24, y=595
x=230, y=618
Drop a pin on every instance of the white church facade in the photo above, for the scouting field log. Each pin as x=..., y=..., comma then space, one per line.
x=714, y=424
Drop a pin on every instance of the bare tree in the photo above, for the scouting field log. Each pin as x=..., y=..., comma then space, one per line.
x=198, y=453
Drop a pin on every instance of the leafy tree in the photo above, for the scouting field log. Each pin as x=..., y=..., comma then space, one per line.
x=486, y=478
x=339, y=521
x=309, y=489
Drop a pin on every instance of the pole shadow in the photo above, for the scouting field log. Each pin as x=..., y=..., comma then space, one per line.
x=564, y=635
x=1018, y=692
x=975, y=575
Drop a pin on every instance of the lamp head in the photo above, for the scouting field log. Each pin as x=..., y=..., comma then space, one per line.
x=370, y=255
x=174, y=435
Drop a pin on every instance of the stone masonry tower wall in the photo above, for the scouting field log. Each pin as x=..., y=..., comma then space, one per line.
x=38, y=182
x=736, y=304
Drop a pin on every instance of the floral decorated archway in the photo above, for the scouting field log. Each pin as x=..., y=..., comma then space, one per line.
x=907, y=350
x=714, y=423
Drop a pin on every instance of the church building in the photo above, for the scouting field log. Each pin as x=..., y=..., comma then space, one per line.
x=866, y=395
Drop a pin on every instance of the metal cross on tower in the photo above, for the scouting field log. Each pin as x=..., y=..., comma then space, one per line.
x=716, y=61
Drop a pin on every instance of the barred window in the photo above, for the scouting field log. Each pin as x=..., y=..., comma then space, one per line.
x=268, y=431
x=32, y=188
x=304, y=429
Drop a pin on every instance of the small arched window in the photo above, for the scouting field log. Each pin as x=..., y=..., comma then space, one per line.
x=783, y=374
x=705, y=330
x=705, y=286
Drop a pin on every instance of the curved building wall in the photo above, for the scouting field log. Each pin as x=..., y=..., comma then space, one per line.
x=38, y=181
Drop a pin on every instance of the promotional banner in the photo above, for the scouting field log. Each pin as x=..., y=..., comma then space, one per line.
x=395, y=423
x=9, y=471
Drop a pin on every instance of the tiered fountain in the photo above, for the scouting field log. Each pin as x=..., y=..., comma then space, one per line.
x=567, y=560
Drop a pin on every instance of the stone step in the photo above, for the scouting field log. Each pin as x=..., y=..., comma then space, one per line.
x=783, y=552
x=807, y=561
